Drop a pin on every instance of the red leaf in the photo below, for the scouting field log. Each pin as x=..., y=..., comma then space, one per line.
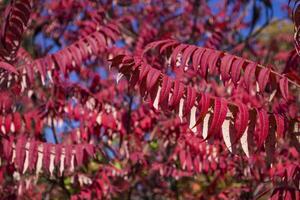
x=249, y=74
x=204, y=63
x=187, y=54
x=189, y=163
x=219, y=115
x=7, y=148
x=20, y=152
x=79, y=154
x=204, y=105
x=155, y=44
x=134, y=78
x=182, y=158
x=167, y=45
x=197, y=164
x=58, y=152
x=75, y=54
x=241, y=121
x=212, y=63
x=8, y=121
x=225, y=68
x=176, y=51
x=8, y=67
x=46, y=156
x=60, y=60
x=33, y=154
x=280, y=125
x=89, y=149
x=165, y=89
x=263, y=126
x=284, y=88
x=17, y=121
x=236, y=68
x=144, y=71
x=263, y=78
x=190, y=99
x=197, y=56
x=152, y=78
x=178, y=91
x=92, y=43
x=68, y=155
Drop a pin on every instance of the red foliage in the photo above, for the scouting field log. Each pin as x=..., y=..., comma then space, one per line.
x=189, y=122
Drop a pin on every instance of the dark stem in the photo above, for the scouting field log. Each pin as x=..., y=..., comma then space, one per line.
x=54, y=132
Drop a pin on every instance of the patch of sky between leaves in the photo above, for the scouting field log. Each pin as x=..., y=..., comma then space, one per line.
x=278, y=13
x=65, y=127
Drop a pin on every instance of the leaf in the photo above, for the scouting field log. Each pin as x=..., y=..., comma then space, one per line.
x=165, y=89
x=39, y=162
x=144, y=72
x=156, y=99
x=89, y=149
x=284, y=88
x=226, y=63
x=197, y=56
x=280, y=125
x=187, y=54
x=249, y=74
x=51, y=164
x=182, y=157
x=190, y=99
x=20, y=152
x=33, y=154
x=26, y=161
x=68, y=155
x=205, y=131
x=119, y=77
x=8, y=121
x=8, y=67
x=204, y=63
x=134, y=78
x=175, y=53
x=245, y=142
x=58, y=153
x=204, y=105
x=79, y=154
x=213, y=60
x=167, y=45
x=60, y=60
x=270, y=145
x=196, y=163
x=236, y=68
x=241, y=120
x=178, y=90
x=192, y=120
x=152, y=78
x=180, y=109
x=263, y=126
x=62, y=163
x=263, y=78
x=219, y=114
x=46, y=155
x=17, y=121
x=228, y=134
x=155, y=44
x=75, y=54
x=7, y=150
x=189, y=163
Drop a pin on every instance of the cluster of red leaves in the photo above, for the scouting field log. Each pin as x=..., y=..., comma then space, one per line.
x=203, y=105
